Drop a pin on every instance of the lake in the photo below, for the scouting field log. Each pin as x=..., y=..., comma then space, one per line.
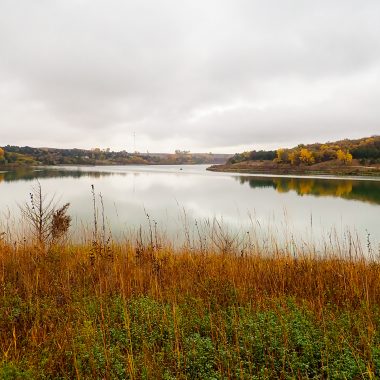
x=182, y=202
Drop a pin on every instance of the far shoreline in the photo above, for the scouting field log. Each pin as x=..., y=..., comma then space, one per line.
x=271, y=168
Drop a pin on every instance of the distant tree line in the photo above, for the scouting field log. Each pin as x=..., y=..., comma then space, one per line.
x=26, y=155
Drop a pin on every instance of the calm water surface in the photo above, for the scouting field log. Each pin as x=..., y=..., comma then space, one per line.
x=179, y=198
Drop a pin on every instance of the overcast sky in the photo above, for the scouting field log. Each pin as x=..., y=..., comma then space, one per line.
x=200, y=75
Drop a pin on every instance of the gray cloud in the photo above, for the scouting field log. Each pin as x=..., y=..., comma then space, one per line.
x=191, y=74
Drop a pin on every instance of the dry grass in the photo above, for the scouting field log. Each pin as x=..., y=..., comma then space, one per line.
x=55, y=307
x=167, y=273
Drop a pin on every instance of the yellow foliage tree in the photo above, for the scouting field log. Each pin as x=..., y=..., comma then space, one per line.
x=306, y=156
x=344, y=157
x=282, y=155
x=348, y=158
x=294, y=158
x=2, y=152
x=340, y=155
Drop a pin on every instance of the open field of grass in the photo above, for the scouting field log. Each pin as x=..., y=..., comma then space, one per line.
x=140, y=312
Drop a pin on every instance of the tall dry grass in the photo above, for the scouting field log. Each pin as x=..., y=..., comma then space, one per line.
x=46, y=302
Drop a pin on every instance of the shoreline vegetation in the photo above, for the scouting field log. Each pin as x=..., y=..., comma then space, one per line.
x=331, y=168
x=13, y=157
x=141, y=309
x=345, y=157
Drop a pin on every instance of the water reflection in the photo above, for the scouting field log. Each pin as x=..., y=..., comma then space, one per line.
x=365, y=191
x=361, y=190
x=27, y=174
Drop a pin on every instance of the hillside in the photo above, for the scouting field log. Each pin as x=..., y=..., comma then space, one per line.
x=12, y=156
x=346, y=157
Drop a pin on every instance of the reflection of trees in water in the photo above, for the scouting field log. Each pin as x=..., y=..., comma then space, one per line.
x=314, y=187
x=256, y=182
x=366, y=191
x=30, y=175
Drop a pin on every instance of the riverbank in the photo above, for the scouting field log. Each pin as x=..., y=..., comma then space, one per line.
x=323, y=168
x=77, y=311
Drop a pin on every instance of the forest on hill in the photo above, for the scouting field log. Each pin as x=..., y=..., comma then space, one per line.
x=27, y=156
x=366, y=150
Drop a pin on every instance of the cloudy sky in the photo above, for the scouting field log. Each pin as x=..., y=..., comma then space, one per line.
x=203, y=75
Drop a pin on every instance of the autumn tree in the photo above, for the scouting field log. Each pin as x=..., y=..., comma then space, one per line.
x=348, y=158
x=306, y=156
x=282, y=155
x=2, y=155
x=328, y=154
x=294, y=157
x=345, y=157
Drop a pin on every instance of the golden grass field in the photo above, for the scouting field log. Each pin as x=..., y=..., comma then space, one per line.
x=143, y=312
